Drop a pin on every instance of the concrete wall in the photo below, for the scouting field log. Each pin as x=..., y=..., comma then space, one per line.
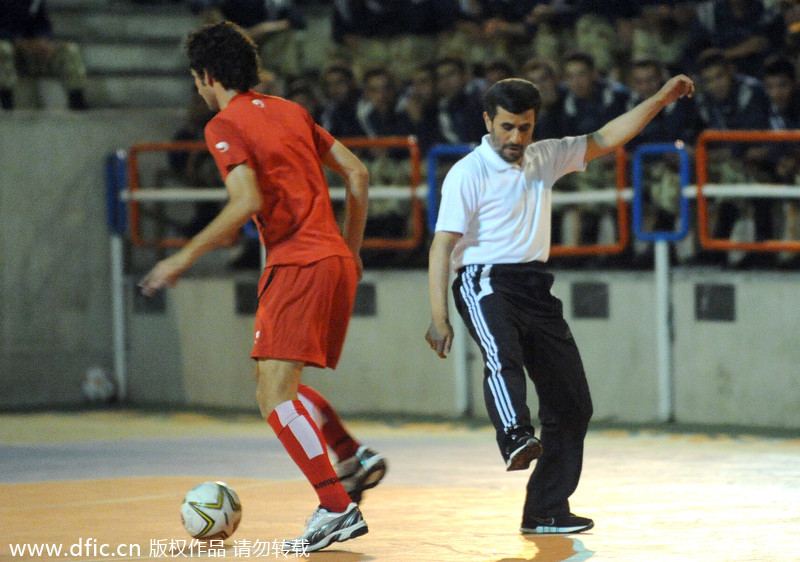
x=726, y=372
x=54, y=276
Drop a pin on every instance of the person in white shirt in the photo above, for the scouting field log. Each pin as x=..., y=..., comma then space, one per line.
x=493, y=229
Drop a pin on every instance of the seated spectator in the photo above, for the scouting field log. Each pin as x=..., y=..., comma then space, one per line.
x=545, y=76
x=550, y=25
x=675, y=122
x=421, y=107
x=272, y=24
x=662, y=32
x=497, y=70
x=590, y=102
x=780, y=81
x=398, y=33
x=380, y=117
x=506, y=30
x=27, y=48
x=783, y=89
x=299, y=91
x=605, y=29
x=744, y=30
x=728, y=100
x=460, y=103
x=196, y=168
x=340, y=100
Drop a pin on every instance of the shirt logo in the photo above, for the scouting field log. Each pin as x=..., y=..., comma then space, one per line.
x=222, y=146
x=258, y=103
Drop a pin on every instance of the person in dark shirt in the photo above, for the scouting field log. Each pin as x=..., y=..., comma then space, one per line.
x=27, y=47
x=729, y=100
x=274, y=25
x=341, y=95
x=460, y=103
x=783, y=159
x=590, y=101
x=420, y=104
x=745, y=30
x=545, y=77
x=677, y=121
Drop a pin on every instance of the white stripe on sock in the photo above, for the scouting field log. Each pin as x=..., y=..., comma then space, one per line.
x=301, y=429
x=306, y=436
x=313, y=411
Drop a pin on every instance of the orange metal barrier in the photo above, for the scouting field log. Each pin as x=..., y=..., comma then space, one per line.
x=622, y=220
x=417, y=212
x=701, y=158
x=134, y=186
x=412, y=241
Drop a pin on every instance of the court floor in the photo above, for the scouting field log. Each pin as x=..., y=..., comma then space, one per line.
x=108, y=484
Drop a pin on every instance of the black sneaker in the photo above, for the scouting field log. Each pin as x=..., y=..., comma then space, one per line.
x=521, y=447
x=558, y=524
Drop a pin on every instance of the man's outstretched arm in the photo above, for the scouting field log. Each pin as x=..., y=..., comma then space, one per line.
x=621, y=129
x=244, y=200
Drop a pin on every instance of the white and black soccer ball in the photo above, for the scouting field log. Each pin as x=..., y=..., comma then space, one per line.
x=211, y=510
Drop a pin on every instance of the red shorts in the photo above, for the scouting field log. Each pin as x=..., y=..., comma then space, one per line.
x=304, y=310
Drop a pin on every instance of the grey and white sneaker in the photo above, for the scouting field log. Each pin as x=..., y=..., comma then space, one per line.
x=362, y=471
x=325, y=527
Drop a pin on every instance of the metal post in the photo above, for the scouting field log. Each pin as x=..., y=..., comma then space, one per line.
x=661, y=241
x=117, y=222
x=663, y=331
x=118, y=316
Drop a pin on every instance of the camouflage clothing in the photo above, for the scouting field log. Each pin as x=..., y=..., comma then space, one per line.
x=65, y=63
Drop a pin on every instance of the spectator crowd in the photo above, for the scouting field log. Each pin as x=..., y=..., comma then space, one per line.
x=420, y=67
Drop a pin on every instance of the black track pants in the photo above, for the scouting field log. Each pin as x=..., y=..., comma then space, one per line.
x=519, y=326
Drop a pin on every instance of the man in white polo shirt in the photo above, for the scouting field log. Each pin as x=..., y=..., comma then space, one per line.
x=494, y=230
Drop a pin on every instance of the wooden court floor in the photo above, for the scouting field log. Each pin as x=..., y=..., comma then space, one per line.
x=108, y=485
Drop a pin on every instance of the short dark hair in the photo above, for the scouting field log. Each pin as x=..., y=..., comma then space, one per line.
x=536, y=63
x=345, y=71
x=712, y=57
x=452, y=61
x=582, y=57
x=515, y=95
x=226, y=53
x=778, y=65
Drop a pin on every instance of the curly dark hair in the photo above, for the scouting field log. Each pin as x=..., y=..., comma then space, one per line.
x=226, y=53
x=515, y=95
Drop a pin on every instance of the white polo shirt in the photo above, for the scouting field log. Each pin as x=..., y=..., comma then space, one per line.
x=502, y=209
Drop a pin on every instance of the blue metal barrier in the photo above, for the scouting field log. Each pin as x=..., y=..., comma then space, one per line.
x=638, y=192
x=116, y=181
x=433, y=187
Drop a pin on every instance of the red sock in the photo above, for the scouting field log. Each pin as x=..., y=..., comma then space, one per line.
x=301, y=439
x=332, y=428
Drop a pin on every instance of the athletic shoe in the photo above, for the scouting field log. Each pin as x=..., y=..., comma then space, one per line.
x=559, y=524
x=362, y=471
x=325, y=527
x=521, y=447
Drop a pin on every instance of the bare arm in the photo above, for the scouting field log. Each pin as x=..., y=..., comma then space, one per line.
x=244, y=199
x=345, y=163
x=621, y=129
x=440, y=332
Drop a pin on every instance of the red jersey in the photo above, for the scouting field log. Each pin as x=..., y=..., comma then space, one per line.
x=280, y=142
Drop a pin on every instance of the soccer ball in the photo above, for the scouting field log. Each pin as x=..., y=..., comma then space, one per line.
x=211, y=510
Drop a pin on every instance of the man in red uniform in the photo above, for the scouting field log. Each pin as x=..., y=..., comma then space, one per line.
x=270, y=154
